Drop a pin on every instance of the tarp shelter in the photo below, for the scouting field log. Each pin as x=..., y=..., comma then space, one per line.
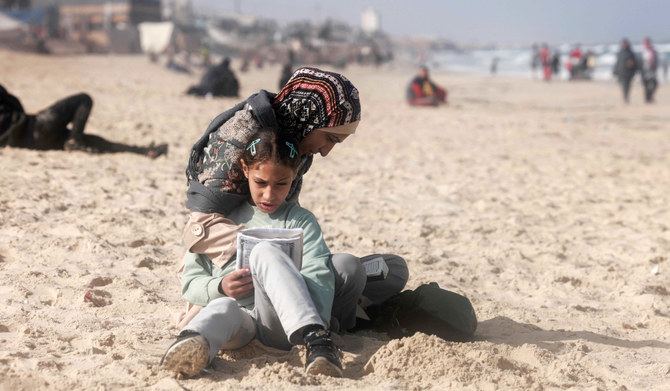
x=26, y=16
x=155, y=37
x=10, y=28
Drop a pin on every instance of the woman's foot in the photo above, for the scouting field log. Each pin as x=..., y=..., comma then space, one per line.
x=188, y=355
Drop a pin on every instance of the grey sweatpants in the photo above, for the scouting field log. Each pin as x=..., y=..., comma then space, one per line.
x=282, y=306
x=225, y=325
x=351, y=283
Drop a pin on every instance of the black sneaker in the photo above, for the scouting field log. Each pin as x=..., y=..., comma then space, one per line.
x=323, y=356
x=188, y=355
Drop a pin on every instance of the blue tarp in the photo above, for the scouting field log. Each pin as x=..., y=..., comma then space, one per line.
x=27, y=16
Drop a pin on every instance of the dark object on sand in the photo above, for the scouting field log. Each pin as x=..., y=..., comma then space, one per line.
x=428, y=309
x=218, y=80
x=286, y=73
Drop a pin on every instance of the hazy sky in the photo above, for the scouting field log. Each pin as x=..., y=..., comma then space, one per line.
x=483, y=21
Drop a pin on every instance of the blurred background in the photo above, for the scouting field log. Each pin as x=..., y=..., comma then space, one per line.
x=478, y=37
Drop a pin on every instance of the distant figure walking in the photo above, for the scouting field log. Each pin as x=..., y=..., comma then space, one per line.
x=534, y=60
x=218, y=80
x=625, y=68
x=546, y=62
x=649, y=67
x=556, y=63
x=286, y=73
x=494, y=65
x=48, y=129
x=574, y=64
x=423, y=92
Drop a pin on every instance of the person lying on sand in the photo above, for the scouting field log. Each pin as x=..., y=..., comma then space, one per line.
x=48, y=129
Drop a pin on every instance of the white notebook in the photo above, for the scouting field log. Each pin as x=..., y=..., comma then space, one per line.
x=288, y=239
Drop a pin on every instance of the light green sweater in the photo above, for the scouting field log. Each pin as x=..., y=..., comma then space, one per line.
x=201, y=278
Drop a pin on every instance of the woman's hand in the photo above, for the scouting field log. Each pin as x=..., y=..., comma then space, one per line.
x=237, y=284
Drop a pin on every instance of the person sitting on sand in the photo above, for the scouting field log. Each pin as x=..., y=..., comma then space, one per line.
x=48, y=129
x=423, y=92
x=218, y=80
x=272, y=301
x=319, y=109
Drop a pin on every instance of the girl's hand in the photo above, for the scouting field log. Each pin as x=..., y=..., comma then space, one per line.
x=237, y=284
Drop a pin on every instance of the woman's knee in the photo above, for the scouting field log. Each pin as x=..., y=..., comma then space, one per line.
x=396, y=278
x=397, y=269
x=349, y=272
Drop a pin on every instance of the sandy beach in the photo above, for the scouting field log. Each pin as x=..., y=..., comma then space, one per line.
x=546, y=204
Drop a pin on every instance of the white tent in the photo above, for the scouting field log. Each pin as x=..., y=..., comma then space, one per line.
x=155, y=37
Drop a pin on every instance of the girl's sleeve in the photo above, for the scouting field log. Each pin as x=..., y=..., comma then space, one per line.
x=316, y=268
x=200, y=280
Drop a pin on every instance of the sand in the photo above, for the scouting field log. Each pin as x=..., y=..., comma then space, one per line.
x=546, y=204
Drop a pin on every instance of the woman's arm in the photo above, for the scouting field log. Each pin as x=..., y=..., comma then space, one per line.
x=218, y=186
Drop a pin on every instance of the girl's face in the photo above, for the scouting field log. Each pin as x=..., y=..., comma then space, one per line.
x=269, y=184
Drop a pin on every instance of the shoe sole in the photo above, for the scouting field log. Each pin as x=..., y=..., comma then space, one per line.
x=321, y=366
x=188, y=357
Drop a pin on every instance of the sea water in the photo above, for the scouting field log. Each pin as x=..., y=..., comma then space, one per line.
x=517, y=62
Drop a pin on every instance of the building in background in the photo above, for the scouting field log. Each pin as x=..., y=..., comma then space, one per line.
x=87, y=25
x=371, y=21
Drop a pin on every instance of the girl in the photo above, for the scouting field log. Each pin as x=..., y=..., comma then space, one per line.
x=271, y=301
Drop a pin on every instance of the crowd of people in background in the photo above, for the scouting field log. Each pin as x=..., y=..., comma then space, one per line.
x=581, y=66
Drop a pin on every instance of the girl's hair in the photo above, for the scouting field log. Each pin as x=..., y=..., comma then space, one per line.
x=267, y=145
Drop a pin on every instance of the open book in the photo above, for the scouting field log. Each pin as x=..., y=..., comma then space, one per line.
x=289, y=240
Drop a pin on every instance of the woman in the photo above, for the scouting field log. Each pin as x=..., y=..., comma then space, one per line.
x=319, y=109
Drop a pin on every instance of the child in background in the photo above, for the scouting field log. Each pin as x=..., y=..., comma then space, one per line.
x=274, y=302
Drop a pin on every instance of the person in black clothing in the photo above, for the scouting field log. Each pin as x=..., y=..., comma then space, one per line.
x=48, y=129
x=625, y=67
x=555, y=62
x=218, y=80
x=286, y=73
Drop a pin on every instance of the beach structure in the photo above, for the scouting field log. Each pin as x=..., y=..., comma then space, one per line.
x=88, y=25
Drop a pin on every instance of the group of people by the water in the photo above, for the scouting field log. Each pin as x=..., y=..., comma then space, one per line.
x=581, y=66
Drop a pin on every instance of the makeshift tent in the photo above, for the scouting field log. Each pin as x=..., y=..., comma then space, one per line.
x=10, y=28
x=155, y=37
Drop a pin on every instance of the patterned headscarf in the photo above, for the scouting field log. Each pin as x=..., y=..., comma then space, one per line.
x=316, y=99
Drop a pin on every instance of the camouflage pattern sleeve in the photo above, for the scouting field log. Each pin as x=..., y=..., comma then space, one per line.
x=221, y=168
